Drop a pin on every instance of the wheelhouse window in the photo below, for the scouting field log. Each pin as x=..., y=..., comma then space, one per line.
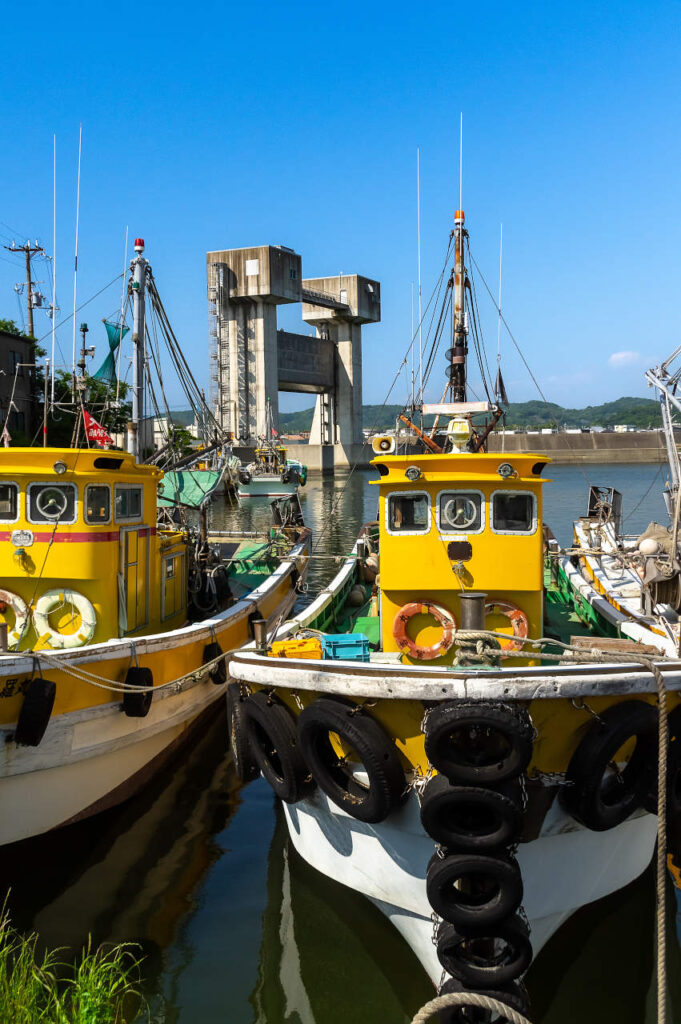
x=9, y=503
x=460, y=512
x=408, y=513
x=513, y=512
x=97, y=503
x=52, y=503
x=128, y=503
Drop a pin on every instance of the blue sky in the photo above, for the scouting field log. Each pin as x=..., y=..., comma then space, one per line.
x=224, y=125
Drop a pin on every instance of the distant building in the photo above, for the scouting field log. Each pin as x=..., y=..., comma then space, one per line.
x=624, y=428
x=16, y=382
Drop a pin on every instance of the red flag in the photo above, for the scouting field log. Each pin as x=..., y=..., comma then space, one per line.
x=95, y=431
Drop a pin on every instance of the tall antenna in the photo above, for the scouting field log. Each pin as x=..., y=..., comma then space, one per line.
x=418, y=233
x=501, y=249
x=54, y=259
x=75, y=265
x=461, y=162
x=120, y=319
x=412, y=344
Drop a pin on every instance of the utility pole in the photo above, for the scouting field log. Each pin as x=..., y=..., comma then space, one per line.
x=29, y=251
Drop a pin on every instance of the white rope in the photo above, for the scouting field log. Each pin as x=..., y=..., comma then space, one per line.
x=474, y=999
x=101, y=683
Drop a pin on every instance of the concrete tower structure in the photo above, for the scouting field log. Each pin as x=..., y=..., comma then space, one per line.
x=252, y=361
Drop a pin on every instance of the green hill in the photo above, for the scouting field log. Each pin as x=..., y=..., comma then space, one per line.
x=637, y=412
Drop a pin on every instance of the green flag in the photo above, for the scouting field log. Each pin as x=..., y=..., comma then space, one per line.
x=115, y=333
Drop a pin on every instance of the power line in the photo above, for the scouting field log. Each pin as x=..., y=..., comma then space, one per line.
x=29, y=252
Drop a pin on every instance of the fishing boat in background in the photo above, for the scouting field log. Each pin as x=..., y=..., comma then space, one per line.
x=630, y=585
x=271, y=473
x=446, y=735
x=118, y=615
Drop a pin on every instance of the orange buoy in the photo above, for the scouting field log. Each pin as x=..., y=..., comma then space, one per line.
x=518, y=619
x=441, y=616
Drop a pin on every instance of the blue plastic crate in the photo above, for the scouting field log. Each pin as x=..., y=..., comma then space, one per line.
x=345, y=646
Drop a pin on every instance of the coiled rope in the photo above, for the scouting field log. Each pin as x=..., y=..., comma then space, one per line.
x=463, y=999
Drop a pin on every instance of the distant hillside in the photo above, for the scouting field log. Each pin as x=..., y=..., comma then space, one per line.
x=637, y=412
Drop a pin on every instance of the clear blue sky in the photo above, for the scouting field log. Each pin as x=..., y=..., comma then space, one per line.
x=218, y=125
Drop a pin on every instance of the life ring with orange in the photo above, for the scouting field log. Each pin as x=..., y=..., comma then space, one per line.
x=518, y=619
x=441, y=616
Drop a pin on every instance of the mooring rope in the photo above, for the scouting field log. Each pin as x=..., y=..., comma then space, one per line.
x=470, y=999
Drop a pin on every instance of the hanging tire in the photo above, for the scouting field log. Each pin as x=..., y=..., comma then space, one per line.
x=470, y=818
x=478, y=744
x=492, y=888
x=597, y=797
x=513, y=995
x=136, y=705
x=488, y=957
x=35, y=712
x=245, y=765
x=273, y=742
x=377, y=754
x=218, y=673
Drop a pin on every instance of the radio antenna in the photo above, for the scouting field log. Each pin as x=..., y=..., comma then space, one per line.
x=75, y=266
x=418, y=243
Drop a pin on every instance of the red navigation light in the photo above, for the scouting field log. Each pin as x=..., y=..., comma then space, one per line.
x=139, y=245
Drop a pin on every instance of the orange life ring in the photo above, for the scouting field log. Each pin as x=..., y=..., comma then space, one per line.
x=440, y=614
x=518, y=619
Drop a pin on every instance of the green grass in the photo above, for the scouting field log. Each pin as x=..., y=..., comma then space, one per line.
x=99, y=988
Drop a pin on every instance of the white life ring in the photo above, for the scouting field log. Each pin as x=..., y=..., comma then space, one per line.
x=50, y=602
x=20, y=609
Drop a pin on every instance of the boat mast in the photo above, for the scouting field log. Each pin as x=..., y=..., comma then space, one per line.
x=139, y=269
x=459, y=350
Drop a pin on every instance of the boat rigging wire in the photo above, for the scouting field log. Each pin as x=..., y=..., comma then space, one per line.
x=503, y=320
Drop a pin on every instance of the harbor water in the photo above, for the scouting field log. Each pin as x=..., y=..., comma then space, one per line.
x=236, y=929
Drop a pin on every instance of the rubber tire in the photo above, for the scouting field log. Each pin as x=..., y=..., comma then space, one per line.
x=584, y=797
x=35, y=712
x=373, y=745
x=443, y=872
x=218, y=673
x=515, y=729
x=514, y=995
x=273, y=741
x=245, y=765
x=444, y=810
x=513, y=931
x=136, y=705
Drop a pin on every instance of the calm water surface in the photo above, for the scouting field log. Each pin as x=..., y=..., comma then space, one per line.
x=236, y=929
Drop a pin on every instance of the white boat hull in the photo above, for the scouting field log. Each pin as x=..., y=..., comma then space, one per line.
x=90, y=759
x=266, y=487
x=566, y=867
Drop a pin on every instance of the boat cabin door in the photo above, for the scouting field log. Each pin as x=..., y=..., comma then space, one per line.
x=133, y=579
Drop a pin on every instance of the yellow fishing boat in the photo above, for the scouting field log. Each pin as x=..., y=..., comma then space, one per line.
x=447, y=736
x=116, y=622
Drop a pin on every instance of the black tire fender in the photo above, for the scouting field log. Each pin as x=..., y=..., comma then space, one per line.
x=273, y=742
x=465, y=953
x=470, y=818
x=513, y=995
x=245, y=765
x=35, y=712
x=136, y=705
x=600, y=802
x=375, y=749
x=478, y=744
x=218, y=673
x=498, y=888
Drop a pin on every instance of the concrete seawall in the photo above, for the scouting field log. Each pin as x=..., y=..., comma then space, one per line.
x=641, y=446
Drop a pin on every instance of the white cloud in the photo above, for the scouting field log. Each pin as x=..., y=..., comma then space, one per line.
x=623, y=358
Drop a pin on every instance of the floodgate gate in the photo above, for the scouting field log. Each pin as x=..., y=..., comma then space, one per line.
x=252, y=360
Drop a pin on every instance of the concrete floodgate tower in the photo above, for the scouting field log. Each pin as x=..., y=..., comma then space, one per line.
x=251, y=360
